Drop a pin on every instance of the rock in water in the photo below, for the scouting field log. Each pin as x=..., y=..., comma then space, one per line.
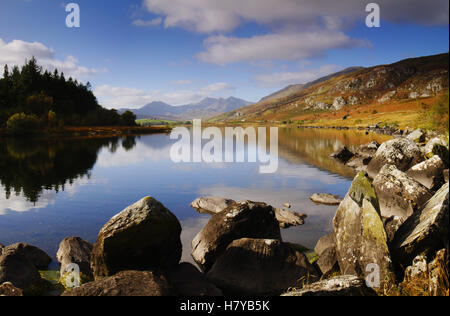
x=343, y=154
x=359, y=232
x=325, y=198
x=125, y=283
x=398, y=194
x=260, y=266
x=188, y=281
x=288, y=218
x=401, y=152
x=211, y=205
x=75, y=250
x=244, y=219
x=428, y=173
x=425, y=232
x=345, y=285
x=144, y=236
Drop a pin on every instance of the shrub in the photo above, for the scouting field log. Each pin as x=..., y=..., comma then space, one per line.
x=22, y=124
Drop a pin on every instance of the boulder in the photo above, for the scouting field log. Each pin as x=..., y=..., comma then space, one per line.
x=75, y=250
x=211, y=205
x=144, y=236
x=436, y=146
x=425, y=232
x=391, y=225
x=398, y=194
x=327, y=262
x=288, y=219
x=368, y=150
x=243, y=219
x=8, y=289
x=359, y=163
x=401, y=152
x=260, y=266
x=417, y=136
x=186, y=280
x=343, y=154
x=345, y=285
x=445, y=175
x=324, y=243
x=20, y=264
x=125, y=283
x=428, y=173
x=359, y=232
x=438, y=273
x=325, y=198
x=339, y=103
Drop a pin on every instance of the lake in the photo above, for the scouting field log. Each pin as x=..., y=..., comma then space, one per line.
x=52, y=189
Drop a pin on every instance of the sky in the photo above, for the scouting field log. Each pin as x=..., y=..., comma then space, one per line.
x=134, y=52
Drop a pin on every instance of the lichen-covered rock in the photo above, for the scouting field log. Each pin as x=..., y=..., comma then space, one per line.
x=211, y=205
x=339, y=103
x=417, y=136
x=343, y=154
x=8, y=289
x=327, y=261
x=359, y=232
x=325, y=198
x=145, y=235
x=425, y=232
x=427, y=150
x=398, y=194
x=368, y=150
x=75, y=250
x=188, y=281
x=429, y=173
x=345, y=285
x=391, y=225
x=260, y=266
x=243, y=219
x=324, y=243
x=125, y=283
x=438, y=284
x=288, y=219
x=401, y=152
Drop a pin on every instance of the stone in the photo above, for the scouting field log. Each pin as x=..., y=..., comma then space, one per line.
x=438, y=278
x=429, y=173
x=345, y=285
x=187, y=280
x=288, y=219
x=75, y=250
x=398, y=194
x=324, y=243
x=359, y=232
x=343, y=154
x=125, y=283
x=243, y=219
x=8, y=289
x=391, y=225
x=260, y=266
x=211, y=205
x=368, y=150
x=339, y=103
x=417, y=136
x=146, y=235
x=428, y=148
x=439, y=147
x=445, y=175
x=425, y=232
x=327, y=262
x=325, y=198
x=401, y=152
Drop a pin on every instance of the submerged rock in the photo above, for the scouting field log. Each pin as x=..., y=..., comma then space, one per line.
x=244, y=219
x=211, y=205
x=425, y=232
x=345, y=285
x=401, y=152
x=428, y=173
x=125, y=283
x=145, y=235
x=359, y=232
x=260, y=266
x=343, y=154
x=398, y=194
x=288, y=219
x=75, y=250
x=325, y=198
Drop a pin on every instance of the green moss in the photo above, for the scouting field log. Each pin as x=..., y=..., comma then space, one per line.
x=362, y=189
x=373, y=227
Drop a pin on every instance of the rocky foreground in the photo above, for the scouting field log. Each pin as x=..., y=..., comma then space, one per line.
x=390, y=237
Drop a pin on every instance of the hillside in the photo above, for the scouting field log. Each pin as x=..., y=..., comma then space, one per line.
x=207, y=108
x=396, y=92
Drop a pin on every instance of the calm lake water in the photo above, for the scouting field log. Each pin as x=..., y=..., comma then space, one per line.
x=52, y=189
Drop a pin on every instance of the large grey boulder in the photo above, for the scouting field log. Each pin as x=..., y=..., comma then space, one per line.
x=125, y=283
x=211, y=205
x=345, y=285
x=244, y=219
x=425, y=232
x=401, y=152
x=360, y=236
x=435, y=146
x=324, y=243
x=75, y=250
x=398, y=194
x=186, y=280
x=326, y=199
x=20, y=264
x=327, y=261
x=260, y=266
x=144, y=236
x=429, y=173
x=417, y=136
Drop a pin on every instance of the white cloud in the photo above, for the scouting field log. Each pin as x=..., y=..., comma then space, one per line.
x=223, y=50
x=148, y=23
x=17, y=51
x=122, y=97
x=181, y=82
x=287, y=78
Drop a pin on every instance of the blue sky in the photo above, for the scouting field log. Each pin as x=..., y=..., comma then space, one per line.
x=180, y=51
